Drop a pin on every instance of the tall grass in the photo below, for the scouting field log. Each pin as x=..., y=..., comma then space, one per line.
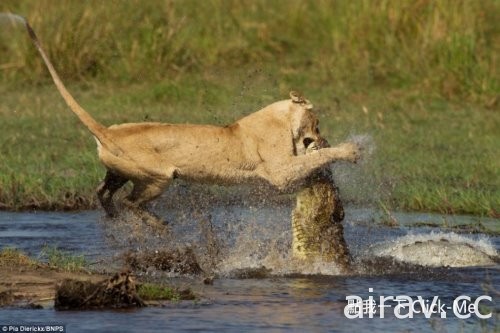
x=421, y=77
x=447, y=48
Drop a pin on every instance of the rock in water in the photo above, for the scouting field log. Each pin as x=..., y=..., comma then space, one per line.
x=318, y=233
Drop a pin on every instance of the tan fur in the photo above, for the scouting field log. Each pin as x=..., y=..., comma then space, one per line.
x=268, y=145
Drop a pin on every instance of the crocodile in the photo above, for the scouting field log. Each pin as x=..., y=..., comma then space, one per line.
x=317, y=228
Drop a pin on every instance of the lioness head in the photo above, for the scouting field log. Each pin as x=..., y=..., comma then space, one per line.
x=305, y=128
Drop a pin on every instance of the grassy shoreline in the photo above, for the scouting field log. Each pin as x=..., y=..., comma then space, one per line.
x=419, y=81
x=433, y=156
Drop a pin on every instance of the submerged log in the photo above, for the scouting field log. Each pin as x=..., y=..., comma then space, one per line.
x=116, y=292
x=317, y=228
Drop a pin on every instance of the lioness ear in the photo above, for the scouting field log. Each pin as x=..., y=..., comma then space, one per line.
x=298, y=98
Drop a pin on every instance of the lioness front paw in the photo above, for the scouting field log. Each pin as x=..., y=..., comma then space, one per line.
x=352, y=151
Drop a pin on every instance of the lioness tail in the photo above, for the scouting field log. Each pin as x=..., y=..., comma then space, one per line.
x=98, y=130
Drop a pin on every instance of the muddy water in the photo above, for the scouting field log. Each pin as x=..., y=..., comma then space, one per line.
x=289, y=300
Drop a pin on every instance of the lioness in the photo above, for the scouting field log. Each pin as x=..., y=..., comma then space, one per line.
x=267, y=145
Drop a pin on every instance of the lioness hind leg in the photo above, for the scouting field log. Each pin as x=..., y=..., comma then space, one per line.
x=111, y=183
x=142, y=194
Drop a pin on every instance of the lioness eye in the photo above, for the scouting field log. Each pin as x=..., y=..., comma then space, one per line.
x=307, y=142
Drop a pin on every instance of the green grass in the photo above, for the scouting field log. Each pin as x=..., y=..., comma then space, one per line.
x=151, y=292
x=445, y=48
x=63, y=260
x=420, y=78
x=55, y=257
x=429, y=155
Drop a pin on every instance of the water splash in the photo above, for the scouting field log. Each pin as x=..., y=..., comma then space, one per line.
x=359, y=182
x=224, y=237
x=366, y=143
x=438, y=249
x=227, y=236
x=275, y=255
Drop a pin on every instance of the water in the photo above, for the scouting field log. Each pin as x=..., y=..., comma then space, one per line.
x=288, y=301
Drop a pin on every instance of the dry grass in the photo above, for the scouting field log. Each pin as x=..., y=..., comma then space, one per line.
x=444, y=48
x=15, y=258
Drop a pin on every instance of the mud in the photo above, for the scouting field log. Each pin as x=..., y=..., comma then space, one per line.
x=26, y=283
x=182, y=261
x=251, y=273
x=119, y=291
x=6, y=298
x=34, y=285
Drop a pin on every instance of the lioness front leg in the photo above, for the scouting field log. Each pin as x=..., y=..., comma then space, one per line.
x=297, y=168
